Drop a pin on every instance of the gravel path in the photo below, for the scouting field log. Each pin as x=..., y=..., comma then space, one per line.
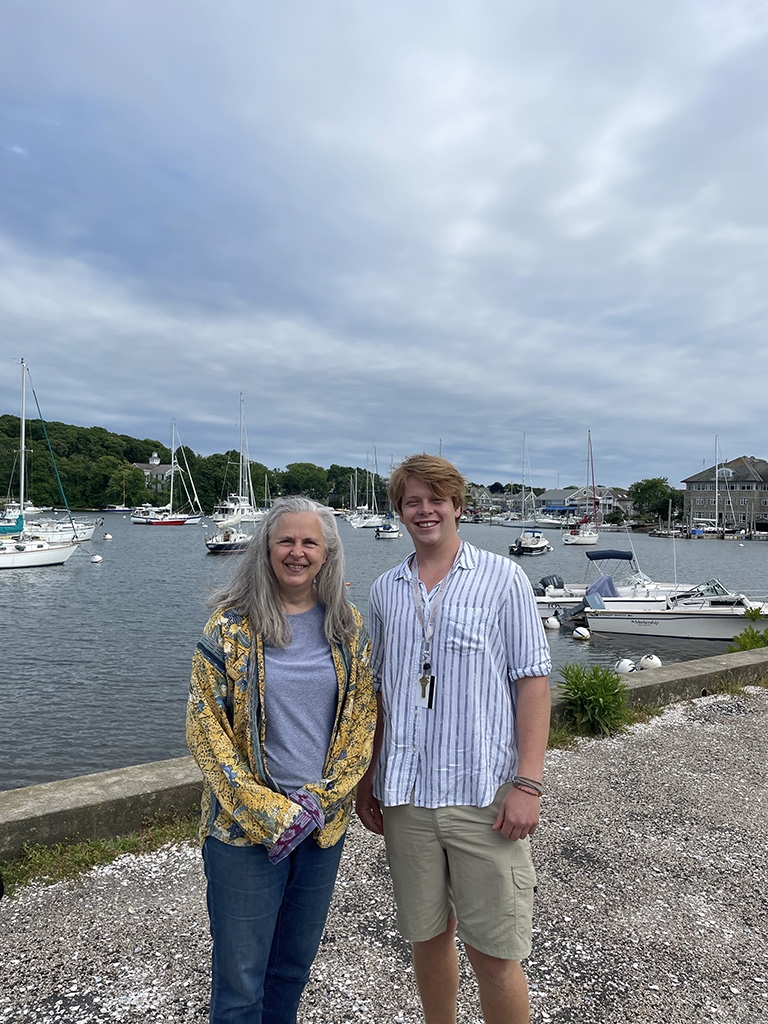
x=652, y=902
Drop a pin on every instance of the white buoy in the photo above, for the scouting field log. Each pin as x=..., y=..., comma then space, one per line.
x=552, y=622
x=624, y=665
x=581, y=633
x=649, y=661
x=107, y=536
x=96, y=558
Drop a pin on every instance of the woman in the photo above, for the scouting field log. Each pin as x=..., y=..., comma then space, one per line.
x=280, y=720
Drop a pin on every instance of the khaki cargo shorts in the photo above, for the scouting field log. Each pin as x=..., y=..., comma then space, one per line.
x=448, y=862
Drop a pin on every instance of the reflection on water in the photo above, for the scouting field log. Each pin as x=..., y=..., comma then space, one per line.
x=95, y=657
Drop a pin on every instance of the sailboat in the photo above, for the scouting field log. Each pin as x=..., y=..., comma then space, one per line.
x=368, y=517
x=166, y=516
x=20, y=548
x=584, y=532
x=243, y=503
x=529, y=514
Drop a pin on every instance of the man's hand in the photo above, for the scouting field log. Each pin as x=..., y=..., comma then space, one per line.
x=518, y=815
x=368, y=807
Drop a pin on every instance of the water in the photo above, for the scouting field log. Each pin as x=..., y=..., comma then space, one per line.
x=96, y=657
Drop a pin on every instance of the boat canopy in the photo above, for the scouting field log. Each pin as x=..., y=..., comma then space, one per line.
x=16, y=527
x=600, y=554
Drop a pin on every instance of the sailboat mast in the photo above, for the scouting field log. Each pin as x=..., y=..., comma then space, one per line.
x=241, y=483
x=717, y=476
x=592, y=465
x=173, y=461
x=22, y=437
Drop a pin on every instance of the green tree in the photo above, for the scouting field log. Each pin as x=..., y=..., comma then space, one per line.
x=651, y=497
x=306, y=478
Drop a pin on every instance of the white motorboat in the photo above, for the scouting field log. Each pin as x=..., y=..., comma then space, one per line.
x=531, y=542
x=20, y=549
x=389, y=530
x=619, y=582
x=708, y=612
x=237, y=505
x=143, y=514
x=227, y=538
x=12, y=509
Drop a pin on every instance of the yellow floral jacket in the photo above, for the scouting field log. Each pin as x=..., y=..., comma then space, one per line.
x=226, y=729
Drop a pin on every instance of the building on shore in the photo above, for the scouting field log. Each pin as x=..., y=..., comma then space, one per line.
x=729, y=496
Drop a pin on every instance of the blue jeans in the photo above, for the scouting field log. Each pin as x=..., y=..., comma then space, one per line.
x=266, y=924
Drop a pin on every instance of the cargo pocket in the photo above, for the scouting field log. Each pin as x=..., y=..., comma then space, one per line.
x=524, y=879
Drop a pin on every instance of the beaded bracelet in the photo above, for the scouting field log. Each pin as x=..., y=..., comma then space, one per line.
x=522, y=788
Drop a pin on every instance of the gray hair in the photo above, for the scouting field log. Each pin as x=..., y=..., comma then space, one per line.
x=253, y=590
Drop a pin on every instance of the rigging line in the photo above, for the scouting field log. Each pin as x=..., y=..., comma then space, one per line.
x=50, y=449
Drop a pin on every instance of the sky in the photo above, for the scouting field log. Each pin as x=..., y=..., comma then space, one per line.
x=483, y=229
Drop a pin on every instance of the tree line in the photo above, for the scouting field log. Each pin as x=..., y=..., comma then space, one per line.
x=97, y=468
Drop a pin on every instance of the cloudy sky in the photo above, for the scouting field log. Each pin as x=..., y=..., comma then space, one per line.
x=408, y=224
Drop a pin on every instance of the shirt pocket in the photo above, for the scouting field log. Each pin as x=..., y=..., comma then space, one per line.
x=463, y=629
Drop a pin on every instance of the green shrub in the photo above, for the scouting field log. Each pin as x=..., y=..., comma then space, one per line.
x=749, y=639
x=594, y=700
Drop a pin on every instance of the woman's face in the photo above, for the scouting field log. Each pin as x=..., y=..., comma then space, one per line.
x=297, y=552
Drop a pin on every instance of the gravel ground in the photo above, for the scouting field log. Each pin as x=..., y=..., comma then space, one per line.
x=652, y=902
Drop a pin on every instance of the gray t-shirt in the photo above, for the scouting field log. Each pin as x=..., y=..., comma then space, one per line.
x=301, y=695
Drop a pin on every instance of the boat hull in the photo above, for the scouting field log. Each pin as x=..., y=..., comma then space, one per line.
x=23, y=553
x=579, y=538
x=225, y=547
x=702, y=624
x=565, y=606
x=227, y=540
x=173, y=521
x=55, y=532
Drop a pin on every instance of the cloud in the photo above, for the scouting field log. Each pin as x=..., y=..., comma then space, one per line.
x=458, y=221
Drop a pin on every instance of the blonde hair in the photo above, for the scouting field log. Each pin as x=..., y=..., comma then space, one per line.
x=253, y=589
x=440, y=475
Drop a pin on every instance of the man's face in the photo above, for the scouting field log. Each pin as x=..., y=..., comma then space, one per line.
x=429, y=520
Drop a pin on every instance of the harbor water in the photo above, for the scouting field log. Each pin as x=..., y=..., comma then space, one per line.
x=96, y=656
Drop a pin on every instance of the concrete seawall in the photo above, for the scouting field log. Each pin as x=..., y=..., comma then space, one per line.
x=113, y=803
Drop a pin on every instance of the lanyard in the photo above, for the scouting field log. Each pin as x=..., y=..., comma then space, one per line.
x=427, y=625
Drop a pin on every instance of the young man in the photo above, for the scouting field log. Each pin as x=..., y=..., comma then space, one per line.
x=460, y=662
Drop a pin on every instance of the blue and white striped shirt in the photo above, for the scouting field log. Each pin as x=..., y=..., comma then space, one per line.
x=488, y=634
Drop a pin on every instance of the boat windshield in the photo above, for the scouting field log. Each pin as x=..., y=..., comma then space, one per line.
x=712, y=588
